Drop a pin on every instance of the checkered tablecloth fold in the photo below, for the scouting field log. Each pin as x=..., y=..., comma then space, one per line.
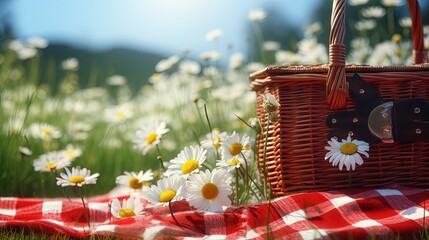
x=381, y=213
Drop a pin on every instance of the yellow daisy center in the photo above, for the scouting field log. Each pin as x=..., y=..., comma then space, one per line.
x=209, y=191
x=233, y=162
x=349, y=148
x=216, y=142
x=156, y=76
x=77, y=179
x=50, y=165
x=189, y=166
x=46, y=132
x=126, y=212
x=134, y=183
x=120, y=115
x=151, y=138
x=70, y=153
x=167, y=195
x=396, y=38
x=235, y=148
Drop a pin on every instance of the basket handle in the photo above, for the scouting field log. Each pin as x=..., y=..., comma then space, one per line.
x=336, y=86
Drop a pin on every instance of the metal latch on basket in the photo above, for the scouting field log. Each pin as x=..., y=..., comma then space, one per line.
x=374, y=120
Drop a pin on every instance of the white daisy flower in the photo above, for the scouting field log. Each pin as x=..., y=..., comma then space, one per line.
x=189, y=67
x=358, y=2
x=70, y=64
x=15, y=45
x=254, y=66
x=271, y=46
x=149, y=136
x=214, y=140
x=51, y=161
x=72, y=152
x=208, y=191
x=25, y=151
x=79, y=130
x=213, y=34
x=210, y=56
x=392, y=3
x=373, y=12
x=135, y=180
x=167, y=63
x=235, y=146
x=236, y=61
x=129, y=208
x=287, y=57
x=116, y=80
x=255, y=124
x=230, y=164
x=347, y=152
x=38, y=42
x=77, y=177
x=188, y=161
x=365, y=25
x=257, y=15
x=166, y=190
x=405, y=22
x=313, y=28
x=44, y=131
x=26, y=53
x=120, y=113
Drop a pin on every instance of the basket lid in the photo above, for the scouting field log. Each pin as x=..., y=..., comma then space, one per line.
x=323, y=69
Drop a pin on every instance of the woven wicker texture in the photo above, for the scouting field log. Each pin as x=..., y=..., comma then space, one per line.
x=296, y=143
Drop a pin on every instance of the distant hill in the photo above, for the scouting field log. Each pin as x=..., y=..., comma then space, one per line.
x=96, y=66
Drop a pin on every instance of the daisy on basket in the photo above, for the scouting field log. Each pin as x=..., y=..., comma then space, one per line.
x=346, y=153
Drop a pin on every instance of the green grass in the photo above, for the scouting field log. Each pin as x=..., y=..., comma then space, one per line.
x=27, y=234
x=107, y=149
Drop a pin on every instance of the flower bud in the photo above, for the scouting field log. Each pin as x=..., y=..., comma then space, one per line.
x=270, y=103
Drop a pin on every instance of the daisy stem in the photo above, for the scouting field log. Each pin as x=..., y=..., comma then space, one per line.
x=198, y=111
x=42, y=185
x=172, y=215
x=246, y=166
x=242, y=120
x=264, y=159
x=260, y=40
x=391, y=20
x=19, y=175
x=211, y=130
x=161, y=163
x=250, y=187
x=79, y=192
x=106, y=134
x=236, y=187
x=207, y=118
x=248, y=177
x=267, y=223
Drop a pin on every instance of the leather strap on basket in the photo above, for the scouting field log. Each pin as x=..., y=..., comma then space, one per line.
x=336, y=85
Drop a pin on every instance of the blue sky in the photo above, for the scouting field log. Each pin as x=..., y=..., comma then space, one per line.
x=165, y=25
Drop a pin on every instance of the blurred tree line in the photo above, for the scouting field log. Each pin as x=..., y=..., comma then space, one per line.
x=138, y=66
x=94, y=66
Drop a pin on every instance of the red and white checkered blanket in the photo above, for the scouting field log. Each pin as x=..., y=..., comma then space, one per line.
x=382, y=213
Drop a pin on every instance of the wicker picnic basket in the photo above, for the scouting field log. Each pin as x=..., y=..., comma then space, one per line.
x=312, y=95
